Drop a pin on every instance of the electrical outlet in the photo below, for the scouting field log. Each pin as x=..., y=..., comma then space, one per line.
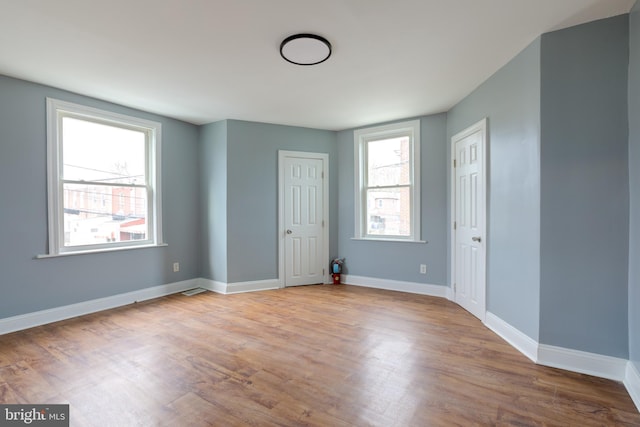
x=176, y=267
x=423, y=268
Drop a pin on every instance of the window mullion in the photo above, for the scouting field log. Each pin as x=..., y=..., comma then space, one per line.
x=383, y=187
x=102, y=184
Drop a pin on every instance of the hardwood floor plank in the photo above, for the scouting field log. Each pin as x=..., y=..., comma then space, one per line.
x=307, y=356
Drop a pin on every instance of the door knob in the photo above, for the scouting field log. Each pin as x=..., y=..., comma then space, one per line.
x=476, y=239
x=289, y=231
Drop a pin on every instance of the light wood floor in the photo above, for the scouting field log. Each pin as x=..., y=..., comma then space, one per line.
x=317, y=355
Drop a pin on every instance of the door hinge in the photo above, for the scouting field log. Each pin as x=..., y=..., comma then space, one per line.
x=454, y=163
x=322, y=174
x=455, y=225
x=323, y=271
x=454, y=287
x=323, y=223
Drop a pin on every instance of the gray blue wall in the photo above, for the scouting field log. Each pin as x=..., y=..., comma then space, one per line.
x=585, y=188
x=510, y=99
x=562, y=183
x=395, y=260
x=634, y=181
x=252, y=194
x=558, y=244
x=29, y=285
x=213, y=200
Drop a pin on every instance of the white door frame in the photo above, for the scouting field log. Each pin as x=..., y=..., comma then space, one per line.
x=324, y=157
x=482, y=126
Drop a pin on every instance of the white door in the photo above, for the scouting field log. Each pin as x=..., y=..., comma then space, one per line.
x=303, y=219
x=469, y=229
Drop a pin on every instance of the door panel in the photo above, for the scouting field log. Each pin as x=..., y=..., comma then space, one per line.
x=304, y=241
x=469, y=216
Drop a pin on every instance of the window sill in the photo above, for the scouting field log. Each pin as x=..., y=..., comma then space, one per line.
x=371, y=239
x=99, y=251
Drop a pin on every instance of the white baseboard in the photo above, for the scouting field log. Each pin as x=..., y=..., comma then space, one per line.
x=239, y=287
x=520, y=341
x=213, y=286
x=257, y=285
x=598, y=365
x=396, y=285
x=30, y=320
x=632, y=383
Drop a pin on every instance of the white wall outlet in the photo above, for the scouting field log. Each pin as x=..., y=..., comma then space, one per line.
x=176, y=267
x=423, y=268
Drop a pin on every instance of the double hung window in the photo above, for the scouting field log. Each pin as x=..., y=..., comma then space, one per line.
x=388, y=182
x=103, y=179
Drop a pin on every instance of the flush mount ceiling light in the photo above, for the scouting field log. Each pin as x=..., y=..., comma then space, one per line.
x=305, y=49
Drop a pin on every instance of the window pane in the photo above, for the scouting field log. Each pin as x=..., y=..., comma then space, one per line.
x=388, y=162
x=103, y=153
x=389, y=212
x=97, y=214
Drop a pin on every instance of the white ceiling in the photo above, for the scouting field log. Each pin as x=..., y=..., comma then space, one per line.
x=208, y=60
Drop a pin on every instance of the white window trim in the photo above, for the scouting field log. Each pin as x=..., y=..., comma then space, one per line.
x=361, y=137
x=56, y=109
